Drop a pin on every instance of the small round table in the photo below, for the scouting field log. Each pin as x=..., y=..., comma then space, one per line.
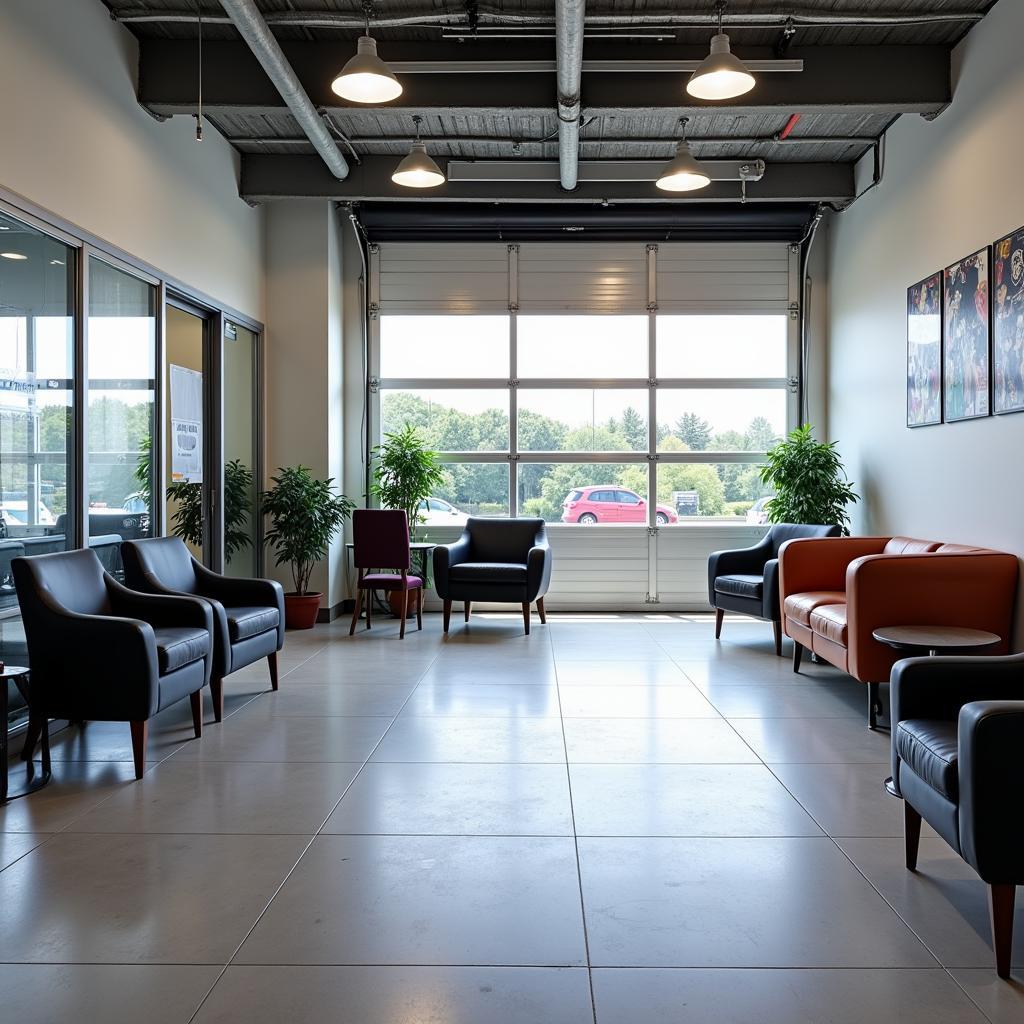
x=935, y=640
x=35, y=778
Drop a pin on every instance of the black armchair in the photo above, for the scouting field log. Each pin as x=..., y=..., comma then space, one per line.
x=503, y=560
x=957, y=734
x=746, y=580
x=101, y=652
x=248, y=614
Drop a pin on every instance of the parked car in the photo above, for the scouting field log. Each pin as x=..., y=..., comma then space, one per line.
x=15, y=513
x=606, y=503
x=438, y=512
x=757, y=513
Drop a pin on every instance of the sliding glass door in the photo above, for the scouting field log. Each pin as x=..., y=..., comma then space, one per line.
x=241, y=450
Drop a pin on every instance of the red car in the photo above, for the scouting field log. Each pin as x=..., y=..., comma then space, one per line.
x=607, y=503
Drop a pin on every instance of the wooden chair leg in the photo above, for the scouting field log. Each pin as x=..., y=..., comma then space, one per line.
x=419, y=608
x=140, y=733
x=526, y=616
x=369, y=609
x=447, y=615
x=405, y=613
x=798, y=653
x=272, y=661
x=466, y=606
x=196, y=699
x=777, y=628
x=911, y=834
x=217, y=693
x=355, y=613
x=35, y=727
x=1000, y=912
x=719, y=616
x=541, y=612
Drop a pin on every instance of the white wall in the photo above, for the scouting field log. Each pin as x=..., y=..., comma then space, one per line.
x=74, y=140
x=951, y=186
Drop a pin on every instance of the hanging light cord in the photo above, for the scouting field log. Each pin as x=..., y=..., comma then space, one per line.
x=199, y=107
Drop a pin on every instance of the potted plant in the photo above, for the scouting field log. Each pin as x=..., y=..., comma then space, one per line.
x=406, y=473
x=305, y=514
x=809, y=481
x=187, y=517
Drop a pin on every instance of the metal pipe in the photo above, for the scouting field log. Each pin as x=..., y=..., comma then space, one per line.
x=246, y=17
x=534, y=67
x=569, y=15
x=623, y=140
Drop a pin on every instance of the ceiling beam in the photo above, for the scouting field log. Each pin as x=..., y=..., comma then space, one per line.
x=836, y=79
x=267, y=177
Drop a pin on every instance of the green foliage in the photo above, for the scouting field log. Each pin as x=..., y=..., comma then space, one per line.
x=305, y=514
x=187, y=518
x=634, y=429
x=143, y=472
x=809, y=482
x=406, y=472
x=693, y=431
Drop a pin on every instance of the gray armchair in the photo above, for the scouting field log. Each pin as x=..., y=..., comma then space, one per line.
x=746, y=580
x=101, y=652
x=957, y=734
x=503, y=560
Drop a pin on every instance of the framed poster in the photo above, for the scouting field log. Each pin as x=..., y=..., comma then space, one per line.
x=1008, y=323
x=924, y=352
x=186, y=425
x=966, y=338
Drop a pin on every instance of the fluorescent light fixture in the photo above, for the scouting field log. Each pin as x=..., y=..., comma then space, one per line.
x=13, y=255
x=683, y=173
x=418, y=169
x=366, y=78
x=721, y=75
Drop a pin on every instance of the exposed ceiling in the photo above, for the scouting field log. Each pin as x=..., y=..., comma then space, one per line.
x=865, y=62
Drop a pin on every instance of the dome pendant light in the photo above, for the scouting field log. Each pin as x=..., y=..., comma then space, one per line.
x=417, y=169
x=366, y=78
x=683, y=174
x=721, y=75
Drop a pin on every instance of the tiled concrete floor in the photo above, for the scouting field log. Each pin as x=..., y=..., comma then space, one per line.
x=616, y=819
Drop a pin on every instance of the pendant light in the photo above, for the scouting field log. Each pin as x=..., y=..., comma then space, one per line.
x=682, y=174
x=417, y=169
x=720, y=76
x=366, y=78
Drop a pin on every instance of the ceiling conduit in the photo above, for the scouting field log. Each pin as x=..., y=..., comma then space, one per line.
x=569, y=24
x=254, y=30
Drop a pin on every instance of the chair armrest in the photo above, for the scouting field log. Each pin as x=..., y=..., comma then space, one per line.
x=771, y=603
x=447, y=555
x=746, y=561
x=234, y=590
x=990, y=742
x=819, y=563
x=538, y=568
x=160, y=609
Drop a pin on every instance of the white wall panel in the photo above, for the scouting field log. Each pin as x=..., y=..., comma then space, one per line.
x=580, y=277
x=723, y=277
x=454, y=277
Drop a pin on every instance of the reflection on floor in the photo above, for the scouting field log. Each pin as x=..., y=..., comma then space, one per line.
x=615, y=819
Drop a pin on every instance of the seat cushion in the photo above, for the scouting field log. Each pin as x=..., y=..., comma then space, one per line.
x=488, y=572
x=829, y=621
x=908, y=546
x=740, y=586
x=928, y=748
x=246, y=622
x=390, y=581
x=798, y=607
x=177, y=647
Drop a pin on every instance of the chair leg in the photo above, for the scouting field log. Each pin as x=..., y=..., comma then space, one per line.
x=466, y=606
x=719, y=616
x=272, y=661
x=196, y=700
x=358, y=609
x=874, y=705
x=140, y=733
x=798, y=653
x=405, y=613
x=217, y=692
x=419, y=608
x=35, y=727
x=447, y=615
x=526, y=616
x=541, y=612
x=1000, y=912
x=911, y=834
x=369, y=609
x=777, y=629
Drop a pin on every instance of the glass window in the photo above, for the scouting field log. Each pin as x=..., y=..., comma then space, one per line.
x=587, y=493
x=584, y=347
x=444, y=346
x=722, y=346
x=720, y=419
x=122, y=392
x=241, y=413
x=469, y=489
x=729, y=492
x=456, y=420
x=582, y=420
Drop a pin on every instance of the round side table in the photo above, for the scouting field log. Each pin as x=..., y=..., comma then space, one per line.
x=37, y=774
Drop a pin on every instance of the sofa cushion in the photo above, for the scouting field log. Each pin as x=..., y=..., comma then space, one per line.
x=177, y=647
x=244, y=622
x=928, y=748
x=908, y=546
x=798, y=607
x=740, y=586
x=488, y=572
x=829, y=621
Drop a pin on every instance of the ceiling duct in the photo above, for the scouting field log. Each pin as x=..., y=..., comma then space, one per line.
x=569, y=17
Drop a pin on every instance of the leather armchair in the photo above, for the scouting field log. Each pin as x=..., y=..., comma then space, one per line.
x=957, y=733
x=101, y=652
x=502, y=560
x=746, y=580
x=248, y=614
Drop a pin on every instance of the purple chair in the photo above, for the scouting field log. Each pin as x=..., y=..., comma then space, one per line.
x=380, y=538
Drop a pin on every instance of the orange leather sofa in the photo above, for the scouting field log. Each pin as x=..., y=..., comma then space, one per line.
x=837, y=591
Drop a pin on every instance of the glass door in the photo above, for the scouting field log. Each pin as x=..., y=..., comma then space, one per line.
x=241, y=451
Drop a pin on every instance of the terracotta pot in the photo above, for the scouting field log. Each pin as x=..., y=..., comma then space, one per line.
x=300, y=610
x=395, y=601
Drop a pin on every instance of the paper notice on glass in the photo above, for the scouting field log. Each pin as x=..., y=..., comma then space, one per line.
x=186, y=425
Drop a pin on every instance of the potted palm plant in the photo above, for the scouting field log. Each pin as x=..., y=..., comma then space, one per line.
x=187, y=517
x=305, y=514
x=407, y=471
